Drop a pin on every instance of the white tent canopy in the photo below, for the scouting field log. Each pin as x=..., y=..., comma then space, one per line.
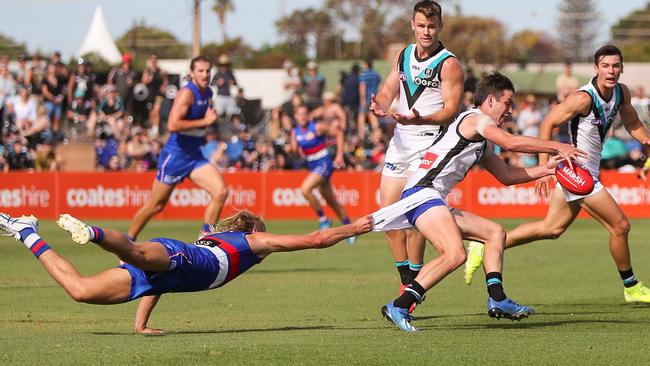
x=99, y=39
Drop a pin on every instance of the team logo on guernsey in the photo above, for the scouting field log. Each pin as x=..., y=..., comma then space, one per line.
x=427, y=161
x=402, y=76
x=428, y=72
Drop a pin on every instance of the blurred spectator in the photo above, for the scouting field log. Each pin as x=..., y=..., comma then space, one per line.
x=52, y=91
x=528, y=121
x=156, y=81
x=350, y=92
x=123, y=78
x=224, y=81
x=4, y=165
x=82, y=82
x=25, y=110
x=35, y=74
x=261, y=157
x=110, y=111
x=138, y=149
x=20, y=158
x=46, y=159
x=330, y=112
x=467, y=102
x=7, y=86
x=9, y=126
x=290, y=81
x=80, y=112
x=369, y=81
x=313, y=84
x=61, y=69
x=566, y=83
x=40, y=131
x=20, y=74
x=470, y=81
x=641, y=104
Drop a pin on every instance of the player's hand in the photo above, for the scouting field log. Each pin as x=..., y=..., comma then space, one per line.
x=338, y=162
x=410, y=119
x=210, y=116
x=375, y=108
x=552, y=162
x=569, y=153
x=363, y=225
x=544, y=186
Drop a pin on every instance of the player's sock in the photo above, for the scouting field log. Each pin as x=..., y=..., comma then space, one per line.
x=206, y=228
x=413, y=293
x=321, y=215
x=130, y=237
x=414, y=269
x=495, y=286
x=628, y=277
x=33, y=242
x=96, y=234
x=346, y=221
x=403, y=270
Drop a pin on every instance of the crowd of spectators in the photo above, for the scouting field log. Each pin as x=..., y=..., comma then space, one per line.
x=44, y=104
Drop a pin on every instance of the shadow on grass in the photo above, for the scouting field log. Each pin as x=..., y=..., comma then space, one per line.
x=289, y=270
x=224, y=331
x=525, y=324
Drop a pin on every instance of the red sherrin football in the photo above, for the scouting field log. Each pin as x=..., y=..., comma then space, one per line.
x=577, y=180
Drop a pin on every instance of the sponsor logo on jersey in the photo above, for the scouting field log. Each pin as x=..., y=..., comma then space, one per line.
x=402, y=76
x=427, y=83
x=415, y=67
x=390, y=166
x=427, y=161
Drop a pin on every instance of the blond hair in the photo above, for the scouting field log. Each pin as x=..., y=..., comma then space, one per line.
x=243, y=221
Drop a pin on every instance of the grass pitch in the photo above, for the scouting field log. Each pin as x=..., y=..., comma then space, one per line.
x=323, y=307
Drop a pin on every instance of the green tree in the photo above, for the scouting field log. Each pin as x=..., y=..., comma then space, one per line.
x=222, y=8
x=298, y=27
x=10, y=47
x=142, y=40
x=634, y=27
x=531, y=46
x=475, y=39
x=577, y=25
x=239, y=52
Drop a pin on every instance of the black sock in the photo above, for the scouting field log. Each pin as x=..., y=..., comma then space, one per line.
x=412, y=294
x=495, y=286
x=414, y=269
x=403, y=270
x=628, y=277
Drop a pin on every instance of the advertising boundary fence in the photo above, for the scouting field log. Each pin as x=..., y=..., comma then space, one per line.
x=275, y=195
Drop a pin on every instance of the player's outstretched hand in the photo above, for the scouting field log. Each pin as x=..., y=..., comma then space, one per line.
x=363, y=225
x=569, y=153
x=404, y=119
x=544, y=186
x=154, y=331
x=210, y=116
x=375, y=108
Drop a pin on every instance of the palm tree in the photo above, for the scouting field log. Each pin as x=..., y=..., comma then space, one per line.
x=222, y=7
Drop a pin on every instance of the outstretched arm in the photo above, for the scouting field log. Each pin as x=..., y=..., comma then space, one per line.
x=509, y=175
x=263, y=244
x=142, y=314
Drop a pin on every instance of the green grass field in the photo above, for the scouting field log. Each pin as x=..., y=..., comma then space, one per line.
x=322, y=307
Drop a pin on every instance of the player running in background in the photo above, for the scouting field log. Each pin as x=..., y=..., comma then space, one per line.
x=164, y=265
x=181, y=157
x=590, y=112
x=429, y=81
x=444, y=165
x=310, y=137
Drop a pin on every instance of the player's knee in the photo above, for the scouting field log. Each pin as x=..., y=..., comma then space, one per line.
x=498, y=235
x=621, y=228
x=456, y=257
x=305, y=190
x=221, y=194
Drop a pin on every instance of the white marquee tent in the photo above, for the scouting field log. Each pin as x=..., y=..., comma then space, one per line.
x=99, y=39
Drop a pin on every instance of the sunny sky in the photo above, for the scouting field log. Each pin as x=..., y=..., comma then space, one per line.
x=49, y=25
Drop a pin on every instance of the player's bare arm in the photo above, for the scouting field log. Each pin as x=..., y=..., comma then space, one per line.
x=451, y=83
x=181, y=105
x=509, y=175
x=263, y=243
x=380, y=103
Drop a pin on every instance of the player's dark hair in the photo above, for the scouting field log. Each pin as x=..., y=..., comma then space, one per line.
x=429, y=9
x=243, y=221
x=368, y=62
x=495, y=84
x=607, y=50
x=199, y=59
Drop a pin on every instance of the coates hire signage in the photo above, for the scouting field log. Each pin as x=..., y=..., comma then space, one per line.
x=276, y=195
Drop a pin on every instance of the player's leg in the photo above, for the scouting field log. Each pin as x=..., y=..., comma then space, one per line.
x=603, y=208
x=208, y=177
x=361, y=124
x=493, y=236
x=313, y=180
x=438, y=226
x=109, y=287
x=390, y=190
x=148, y=256
x=160, y=194
x=559, y=216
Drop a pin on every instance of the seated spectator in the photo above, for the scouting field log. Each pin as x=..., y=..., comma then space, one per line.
x=20, y=158
x=46, y=159
x=264, y=159
x=138, y=149
x=40, y=131
x=9, y=126
x=111, y=111
x=80, y=113
x=24, y=109
x=7, y=86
